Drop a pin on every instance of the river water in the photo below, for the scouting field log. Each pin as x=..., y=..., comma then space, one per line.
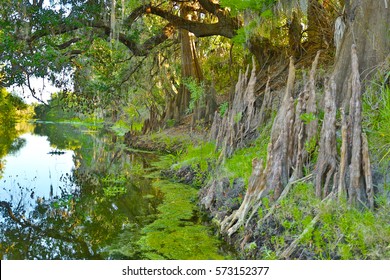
x=68, y=192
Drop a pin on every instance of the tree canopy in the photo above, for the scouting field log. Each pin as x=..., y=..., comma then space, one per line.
x=41, y=38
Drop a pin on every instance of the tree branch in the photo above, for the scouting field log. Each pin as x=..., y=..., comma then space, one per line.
x=226, y=27
x=33, y=92
x=211, y=7
x=135, y=14
x=68, y=43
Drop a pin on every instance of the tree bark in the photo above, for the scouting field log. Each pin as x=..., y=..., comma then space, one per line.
x=239, y=124
x=367, y=26
x=327, y=163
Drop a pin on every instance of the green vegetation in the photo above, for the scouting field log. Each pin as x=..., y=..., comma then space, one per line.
x=121, y=127
x=203, y=158
x=240, y=164
x=12, y=111
x=197, y=93
x=223, y=108
x=376, y=111
x=343, y=232
x=176, y=233
x=198, y=156
x=12, y=108
x=152, y=74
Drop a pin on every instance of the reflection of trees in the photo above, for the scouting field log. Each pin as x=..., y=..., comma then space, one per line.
x=16, y=145
x=62, y=136
x=9, y=144
x=84, y=219
x=72, y=226
x=24, y=239
x=9, y=141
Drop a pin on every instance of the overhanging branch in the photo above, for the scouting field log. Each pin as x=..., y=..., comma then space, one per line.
x=226, y=26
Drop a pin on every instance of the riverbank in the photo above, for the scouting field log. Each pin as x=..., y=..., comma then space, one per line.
x=90, y=197
x=296, y=226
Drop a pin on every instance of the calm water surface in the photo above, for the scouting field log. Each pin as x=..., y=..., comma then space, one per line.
x=37, y=168
x=71, y=193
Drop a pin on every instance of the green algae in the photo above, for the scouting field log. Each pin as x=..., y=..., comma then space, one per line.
x=178, y=233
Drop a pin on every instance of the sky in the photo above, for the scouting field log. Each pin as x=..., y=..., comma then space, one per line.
x=42, y=87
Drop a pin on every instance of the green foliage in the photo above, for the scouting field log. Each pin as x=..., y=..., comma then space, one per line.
x=254, y=5
x=342, y=231
x=223, y=108
x=307, y=117
x=240, y=164
x=221, y=60
x=176, y=234
x=197, y=91
x=199, y=156
x=376, y=112
x=7, y=115
x=260, y=10
x=312, y=149
x=120, y=128
x=170, y=123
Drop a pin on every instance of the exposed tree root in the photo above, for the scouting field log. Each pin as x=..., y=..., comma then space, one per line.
x=290, y=249
x=287, y=153
x=256, y=190
x=327, y=163
x=342, y=192
x=240, y=122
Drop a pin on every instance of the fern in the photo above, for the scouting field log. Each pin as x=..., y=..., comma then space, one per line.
x=197, y=93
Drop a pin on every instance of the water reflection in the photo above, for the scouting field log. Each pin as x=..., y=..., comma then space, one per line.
x=70, y=205
x=70, y=193
x=32, y=166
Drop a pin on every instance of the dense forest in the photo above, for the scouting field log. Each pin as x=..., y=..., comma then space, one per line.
x=276, y=111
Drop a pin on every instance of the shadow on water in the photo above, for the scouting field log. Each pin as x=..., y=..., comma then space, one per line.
x=92, y=199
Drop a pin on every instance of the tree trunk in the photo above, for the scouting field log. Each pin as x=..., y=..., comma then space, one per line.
x=327, y=162
x=190, y=67
x=367, y=26
x=295, y=35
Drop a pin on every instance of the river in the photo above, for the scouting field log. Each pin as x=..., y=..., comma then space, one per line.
x=68, y=192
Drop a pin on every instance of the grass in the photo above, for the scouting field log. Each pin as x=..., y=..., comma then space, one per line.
x=198, y=156
x=240, y=164
x=204, y=156
x=343, y=232
x=376, y=113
